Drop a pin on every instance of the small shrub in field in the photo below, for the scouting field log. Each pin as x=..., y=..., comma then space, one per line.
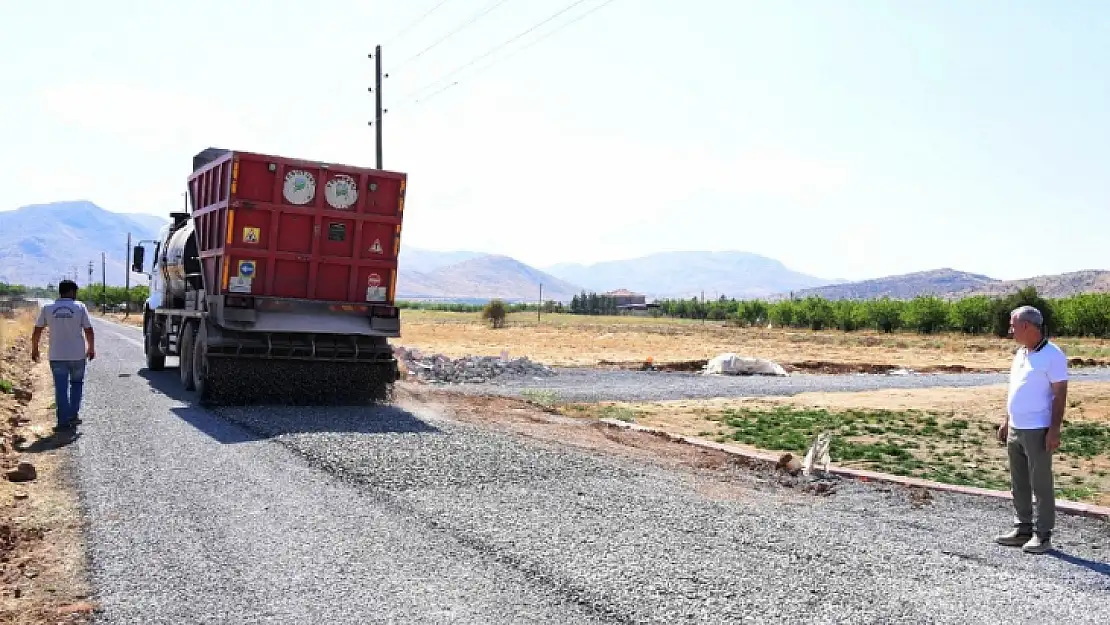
x=494, y=313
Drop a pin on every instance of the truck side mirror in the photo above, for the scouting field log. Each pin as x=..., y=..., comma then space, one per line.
x=137, y=259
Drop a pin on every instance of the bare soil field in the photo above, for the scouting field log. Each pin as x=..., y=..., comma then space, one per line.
x=42, y=574
x=579, y=340
x=941, y=434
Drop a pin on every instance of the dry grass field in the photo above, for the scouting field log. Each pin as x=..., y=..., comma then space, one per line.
x=578, y=340
x=942, y=434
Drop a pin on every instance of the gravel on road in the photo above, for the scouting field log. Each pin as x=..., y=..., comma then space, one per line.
x=404, y=514
x=586, y=385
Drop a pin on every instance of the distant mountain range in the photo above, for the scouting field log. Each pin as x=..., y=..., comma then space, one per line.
x=41, y=243
x=691, y=274
x=949, y=283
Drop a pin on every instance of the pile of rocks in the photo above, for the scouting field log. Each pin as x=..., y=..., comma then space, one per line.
x=438, y=368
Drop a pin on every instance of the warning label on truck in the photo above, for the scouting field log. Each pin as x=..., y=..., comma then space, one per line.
x=250, y=235
x=246, y=269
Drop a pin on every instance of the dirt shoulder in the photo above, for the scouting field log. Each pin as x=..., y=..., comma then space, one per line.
x=42, y=550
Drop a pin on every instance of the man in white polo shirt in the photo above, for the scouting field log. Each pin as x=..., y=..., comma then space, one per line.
x=71, y=343
x=1035, y=407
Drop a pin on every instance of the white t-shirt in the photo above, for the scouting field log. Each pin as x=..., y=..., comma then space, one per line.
x=1030, y=397
x=67, y=320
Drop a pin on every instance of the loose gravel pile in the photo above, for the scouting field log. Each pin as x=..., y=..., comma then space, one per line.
x=437, y=368
x=588, y=385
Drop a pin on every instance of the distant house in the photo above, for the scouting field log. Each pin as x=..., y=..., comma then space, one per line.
x=627, y=299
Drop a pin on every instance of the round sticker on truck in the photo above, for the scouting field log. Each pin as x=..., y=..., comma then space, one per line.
x=246, y=268
x=299, y=187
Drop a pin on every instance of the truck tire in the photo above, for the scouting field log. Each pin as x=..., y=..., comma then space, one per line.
x=185, y=354
x=155, y=357
x=199, y=358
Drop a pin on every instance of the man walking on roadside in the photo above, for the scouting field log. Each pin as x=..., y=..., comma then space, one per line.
x=1035, y=406
x=67, y=319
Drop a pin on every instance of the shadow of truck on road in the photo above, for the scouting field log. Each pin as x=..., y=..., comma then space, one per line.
x=244, y=424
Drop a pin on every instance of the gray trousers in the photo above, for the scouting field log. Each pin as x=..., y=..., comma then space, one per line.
x=1031, y=474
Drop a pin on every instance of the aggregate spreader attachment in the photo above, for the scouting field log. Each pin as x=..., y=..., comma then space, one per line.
x=278, y=284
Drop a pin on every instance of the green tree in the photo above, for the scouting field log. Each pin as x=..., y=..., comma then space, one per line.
x=782, y=313
x=752, y=312
x=885, y=314
x=849, y=315
x=1027, y=296
x=972, y=315
x=927, y=314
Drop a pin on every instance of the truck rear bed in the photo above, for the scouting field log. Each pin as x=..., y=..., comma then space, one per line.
x=276, y=227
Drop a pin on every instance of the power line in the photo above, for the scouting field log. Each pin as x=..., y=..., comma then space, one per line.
x=451, y=34
x=502, y=45
x=515, y=52
x=414, y=23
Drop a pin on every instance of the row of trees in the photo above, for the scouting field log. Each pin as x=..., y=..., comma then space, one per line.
x=1084, y=315
x=93, y=294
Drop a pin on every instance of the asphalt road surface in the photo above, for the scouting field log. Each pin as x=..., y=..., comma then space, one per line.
x=281, y=515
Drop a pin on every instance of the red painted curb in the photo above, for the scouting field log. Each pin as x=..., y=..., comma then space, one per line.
x=1066, y=507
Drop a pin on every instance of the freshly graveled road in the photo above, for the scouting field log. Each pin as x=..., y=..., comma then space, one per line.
x=406, y=516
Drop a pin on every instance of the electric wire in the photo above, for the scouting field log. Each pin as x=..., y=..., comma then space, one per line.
x=513, y=53
x=501, y=46
x=450, y=34
x=415, y=22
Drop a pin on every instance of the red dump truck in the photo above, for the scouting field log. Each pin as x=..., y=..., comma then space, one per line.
x=278, y=284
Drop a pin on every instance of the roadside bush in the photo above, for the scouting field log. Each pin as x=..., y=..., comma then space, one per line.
x=494, y=313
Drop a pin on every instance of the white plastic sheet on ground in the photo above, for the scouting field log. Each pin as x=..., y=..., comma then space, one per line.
x=732, y=364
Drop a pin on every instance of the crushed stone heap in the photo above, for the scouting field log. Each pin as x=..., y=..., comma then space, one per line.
x=437, y=368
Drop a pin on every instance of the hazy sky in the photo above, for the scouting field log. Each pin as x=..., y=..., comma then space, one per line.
x=972, y=135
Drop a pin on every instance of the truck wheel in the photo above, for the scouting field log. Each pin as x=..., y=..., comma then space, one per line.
x=185, y=355
x=155, y=358
x=199, y=356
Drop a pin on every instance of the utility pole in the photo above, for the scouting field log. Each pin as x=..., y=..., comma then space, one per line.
x=88, y=286
x=377, y=89
x=103, y=282
x=127, y=277
x=539, y=308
